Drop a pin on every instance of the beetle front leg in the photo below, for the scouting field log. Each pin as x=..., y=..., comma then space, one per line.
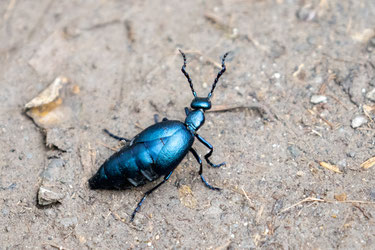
x=207, y=144
x=156, y=118
x=201, y=170
x=147, y=193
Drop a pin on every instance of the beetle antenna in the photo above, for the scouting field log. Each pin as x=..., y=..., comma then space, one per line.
x=186, y=74
x=219, y=74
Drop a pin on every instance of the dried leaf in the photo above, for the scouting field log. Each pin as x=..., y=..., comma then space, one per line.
x=329, y=166
x=49, y=95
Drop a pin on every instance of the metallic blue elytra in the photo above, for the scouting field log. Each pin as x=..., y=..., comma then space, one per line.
x=158, y=149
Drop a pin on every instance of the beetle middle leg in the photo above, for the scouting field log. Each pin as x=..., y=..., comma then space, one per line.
x=156, y=118
x=147, y=193
x=207, y=144
x=115, y=136
x=201, y=170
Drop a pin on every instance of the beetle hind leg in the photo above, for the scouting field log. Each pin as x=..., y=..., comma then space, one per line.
x=201, y=170
x=147, y=193
x=156, y=118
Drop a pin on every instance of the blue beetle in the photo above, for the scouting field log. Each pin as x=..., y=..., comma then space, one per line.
x=158, y=149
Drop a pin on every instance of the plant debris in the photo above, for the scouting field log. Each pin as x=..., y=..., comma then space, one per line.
x=186, y=196
x=329, y=166
x=369, y=163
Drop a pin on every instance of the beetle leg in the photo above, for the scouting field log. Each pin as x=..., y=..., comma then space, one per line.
x=147, y=193
x=115, y=136
x=201, y=170
x=156, y=118
x=187, y=111
x=207, y=144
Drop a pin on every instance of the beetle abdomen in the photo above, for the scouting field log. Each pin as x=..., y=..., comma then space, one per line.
x=131, y=166
x=147, y=158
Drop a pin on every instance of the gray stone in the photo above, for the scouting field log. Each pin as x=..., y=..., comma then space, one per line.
x=294, y=151
x=358, y=121
x=48, y=197
x=371, y=95
x=69, y=222
x=52, y=172
x=315, y=99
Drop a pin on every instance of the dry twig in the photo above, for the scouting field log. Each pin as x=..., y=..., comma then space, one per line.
x=109, y=147
x=247, y=197
x=262, y=109
x=218, y=23
x=312, y=199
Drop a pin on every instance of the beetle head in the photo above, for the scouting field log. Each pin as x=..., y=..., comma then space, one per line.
x=201, y=103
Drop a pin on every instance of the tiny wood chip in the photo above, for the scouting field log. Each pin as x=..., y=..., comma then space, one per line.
x=329, y=166
x=369, y=163
x=340, y=197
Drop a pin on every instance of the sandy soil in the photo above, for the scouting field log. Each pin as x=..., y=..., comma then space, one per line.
x=293, y=119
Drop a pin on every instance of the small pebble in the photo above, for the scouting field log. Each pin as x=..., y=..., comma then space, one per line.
x=358, y=121
x=372, y=83
x=48, y=197
x=371, y=45
x=315, y=99
x=351, y=154
x=342, y=163
x=12, y=186
x=372, y=194
x=306, y=13
x=371, y=95
x=300, y=173
x=318, y=80
x=5, y=211
x=324, y=113
x=294, y=151
x=69, y=222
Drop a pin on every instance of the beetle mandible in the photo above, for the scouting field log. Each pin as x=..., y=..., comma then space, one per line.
x=158, y=149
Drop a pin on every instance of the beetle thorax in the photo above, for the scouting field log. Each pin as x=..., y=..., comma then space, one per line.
x=194, y=120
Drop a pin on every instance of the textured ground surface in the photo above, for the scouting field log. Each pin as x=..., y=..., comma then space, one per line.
x=122, y=62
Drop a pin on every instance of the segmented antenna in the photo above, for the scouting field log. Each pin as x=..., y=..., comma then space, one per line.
x=219, y=74
x=186, y=74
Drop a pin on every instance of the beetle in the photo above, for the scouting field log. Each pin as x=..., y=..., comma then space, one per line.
x=158, y=149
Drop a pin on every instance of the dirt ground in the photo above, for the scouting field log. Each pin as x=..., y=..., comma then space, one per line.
x=293, y=119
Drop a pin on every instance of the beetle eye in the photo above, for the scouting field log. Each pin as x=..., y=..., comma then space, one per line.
x=201, y=103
